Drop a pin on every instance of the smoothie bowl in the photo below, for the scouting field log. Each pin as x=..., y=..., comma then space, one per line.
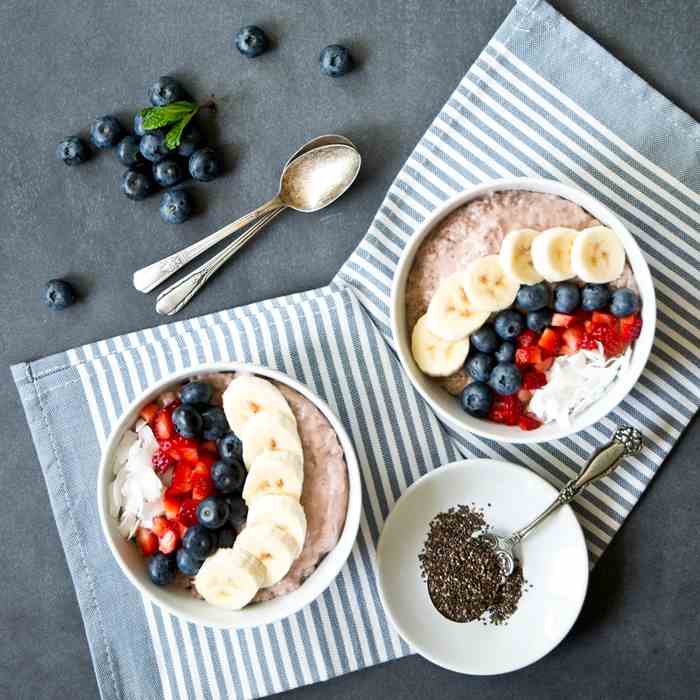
x=523, y=310
x=229, y=495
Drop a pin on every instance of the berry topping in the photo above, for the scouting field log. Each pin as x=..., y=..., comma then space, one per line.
x=147, y=541
x=169, y=541
x=163, y=424
x=534, y=380
x=630, y=328
x=549, y=341
x=506, y=410
x=527, y=338
x=231, y=448
x=505, y=379
x=538, y=320
x=186, y=563
x=162, y=569
x=533, y=296
x=196, y=392
x=526, y=422
x=506, y=352
x=477, y=399
x=509, y=324
x=607, y=336
x=187, y=421
x=187, y=514
x=161, y=461
x=595, y=296
x=228, y=477
x=149, y=411
x=563, y=320
x=624, y=302
x=485, y=339
x=202, y=487
x=479, y=366
x=567, y=297
x=198, y=541
x=213, y=512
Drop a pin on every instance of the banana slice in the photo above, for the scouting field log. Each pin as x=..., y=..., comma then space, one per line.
x=450, y=315
x=598, y=255
x=433, y=355
x=488, y=286
x=230, y=578
x=516, y=256
x=269, y=430
x=274, y=547
x=274, y=472
x=283, y=511
x=551, y=253
x=247, y=395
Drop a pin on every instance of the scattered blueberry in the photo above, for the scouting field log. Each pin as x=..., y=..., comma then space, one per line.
x=168, y=172
x=58, y=294
x=595, y=297
x=162, y=569
x=533, y=296
x=198, y=541
x=506, y=352
x=214, y=423
x=213, y=512
x=128, y=151
x=226, y=536
x=251, y=41
x=205, y=164
x=567, y=297
x=624, y=302
x=505, y=379
x=187, y=564
x=485, y=339
x=152, y=146
x=228, y=478
x=196, y=392
x=190, y=141
x=509, y=324
x=335, y=61
x=187, y=421
x=164, y=91
x=479, y=366
x=175, y=206
x=477, y=399
x=237, y=512
x=136, y=184
x=73, y=151
x=231, y=448
x=105, y=132
x=138, y=124
x=538, y=320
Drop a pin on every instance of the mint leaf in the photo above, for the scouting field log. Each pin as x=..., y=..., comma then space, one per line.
x=172, y=138
x=157, y=117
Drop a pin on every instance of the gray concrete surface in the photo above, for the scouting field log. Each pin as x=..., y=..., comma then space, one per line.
x=64, y=63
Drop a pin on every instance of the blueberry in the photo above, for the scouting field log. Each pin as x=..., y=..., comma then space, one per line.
x=164, y=91
x=505, y=379
x=175, y=206
x=506, y=352
x=105, y=132
x=187, y=564
x=477, y=399
x=58, y=294
x=168, y=172
x=538, y=320
x=205, y=164
x=187, y=421
x=251, y=41
x=190, y=141
x=138, y=124
x=226, y=536
x=509, y=324
x=73, y=151
x=198, y=541
x=228, y=478
x=335, y=61
x=213, y=512
x=479, y=366
x=624, y=302
x=595, y=296
x=128, y=151
x=485, y=339
x=567, y=297
x=196, y=392
x=533, y=296
x=237, y=512
x=136, y=184
x=152, y=146
x=214, y=423
x=231, y=448
x=162, y=569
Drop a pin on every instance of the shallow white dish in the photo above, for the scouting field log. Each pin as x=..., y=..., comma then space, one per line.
x=554, y=559
x=448, y=407
x=180, y=602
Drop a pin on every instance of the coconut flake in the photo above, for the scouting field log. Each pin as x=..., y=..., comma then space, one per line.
x=121, y=454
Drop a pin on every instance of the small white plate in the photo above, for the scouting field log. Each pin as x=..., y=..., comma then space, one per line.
x=554, y=558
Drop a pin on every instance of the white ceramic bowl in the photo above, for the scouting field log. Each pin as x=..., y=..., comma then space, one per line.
x=180, y=602
x=448, y=407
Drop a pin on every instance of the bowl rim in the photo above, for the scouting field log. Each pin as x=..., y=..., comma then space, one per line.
x=330, y=565
x=426, y=387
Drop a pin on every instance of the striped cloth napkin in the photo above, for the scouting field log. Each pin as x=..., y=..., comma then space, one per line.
x=542, y=99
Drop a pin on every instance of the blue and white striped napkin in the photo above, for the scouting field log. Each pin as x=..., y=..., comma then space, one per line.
x=542, y=99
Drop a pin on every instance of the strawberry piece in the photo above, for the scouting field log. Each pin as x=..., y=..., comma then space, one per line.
x=524, y=395
x=544, y=365
x=202, y=468
x=160, y=525
x=172, y=500
x=163, y=425
x=526, y=422
x=562, y=320
x=182, y=478
x=188, y=512
x=581, y=315
x=161, y=461
x=549, y=340
x=147, y=541
x=527, y=356
x=169, y=541
x=210, y=446
x=630, y=328
x=607, y=336
x=148, y=412
x=202, y=487
x=506, y=410
x=185, y=448
x=603, y=319
x=179, y=528
x=527, y=338
x=533, y=380
x=572, y=337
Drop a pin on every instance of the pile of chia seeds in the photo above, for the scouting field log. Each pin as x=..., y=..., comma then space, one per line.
x=463, y=575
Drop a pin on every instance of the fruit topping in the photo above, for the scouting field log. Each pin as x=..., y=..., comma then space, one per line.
x=187, y=421
x=149, y=411
x=186, y=563
x=162, y=569
x=196, y=393
x=169, y=541
x=533, y=379
x=187, y=515
x=477, y=399
x=538, y=320
x=199, y=541
x=533, y=296
x=630, y=328
x=527, y=356
x=479, y=366
x=162, y=461
x=509, y=324
x=624, y=302
x=549, y=341
x=505, y=352
x=567, y=297
x=505, y=379
x=526, y=422
x=228, y=478
x=213, y=512
x=595, y=296
x=163, y=424
x=506, y=410
x=562, y=320
x=147, y=541
x=527, y=338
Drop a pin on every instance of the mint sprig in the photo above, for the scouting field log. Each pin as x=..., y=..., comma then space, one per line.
x=178, y=114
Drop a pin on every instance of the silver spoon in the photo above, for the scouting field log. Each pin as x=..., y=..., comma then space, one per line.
x=625, y=441
x=148, y=278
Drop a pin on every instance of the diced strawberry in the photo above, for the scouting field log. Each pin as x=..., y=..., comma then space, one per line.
x=210, y=446
x=148, y=412
x=630, y=328
x=161, y=461
x=527, y=356
x=182, y=478
x=169, y=541
x=603, y=319
x=188, y=512
x=179, y=528
x=527, y=338
x=202, y=487
x=544, y=365
x=549, y=340
x=607, y=336
x=163, y=425
x=185, y=448
x=160, y=525
x=526, y=422
x=201, y=468
x=562, y=320
x=524, y=395
x=172, y=500
x=588, y=326
x=572, y=337
x=147, y=541
x=506, y=410
x=533, y=380
x=582, y=315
